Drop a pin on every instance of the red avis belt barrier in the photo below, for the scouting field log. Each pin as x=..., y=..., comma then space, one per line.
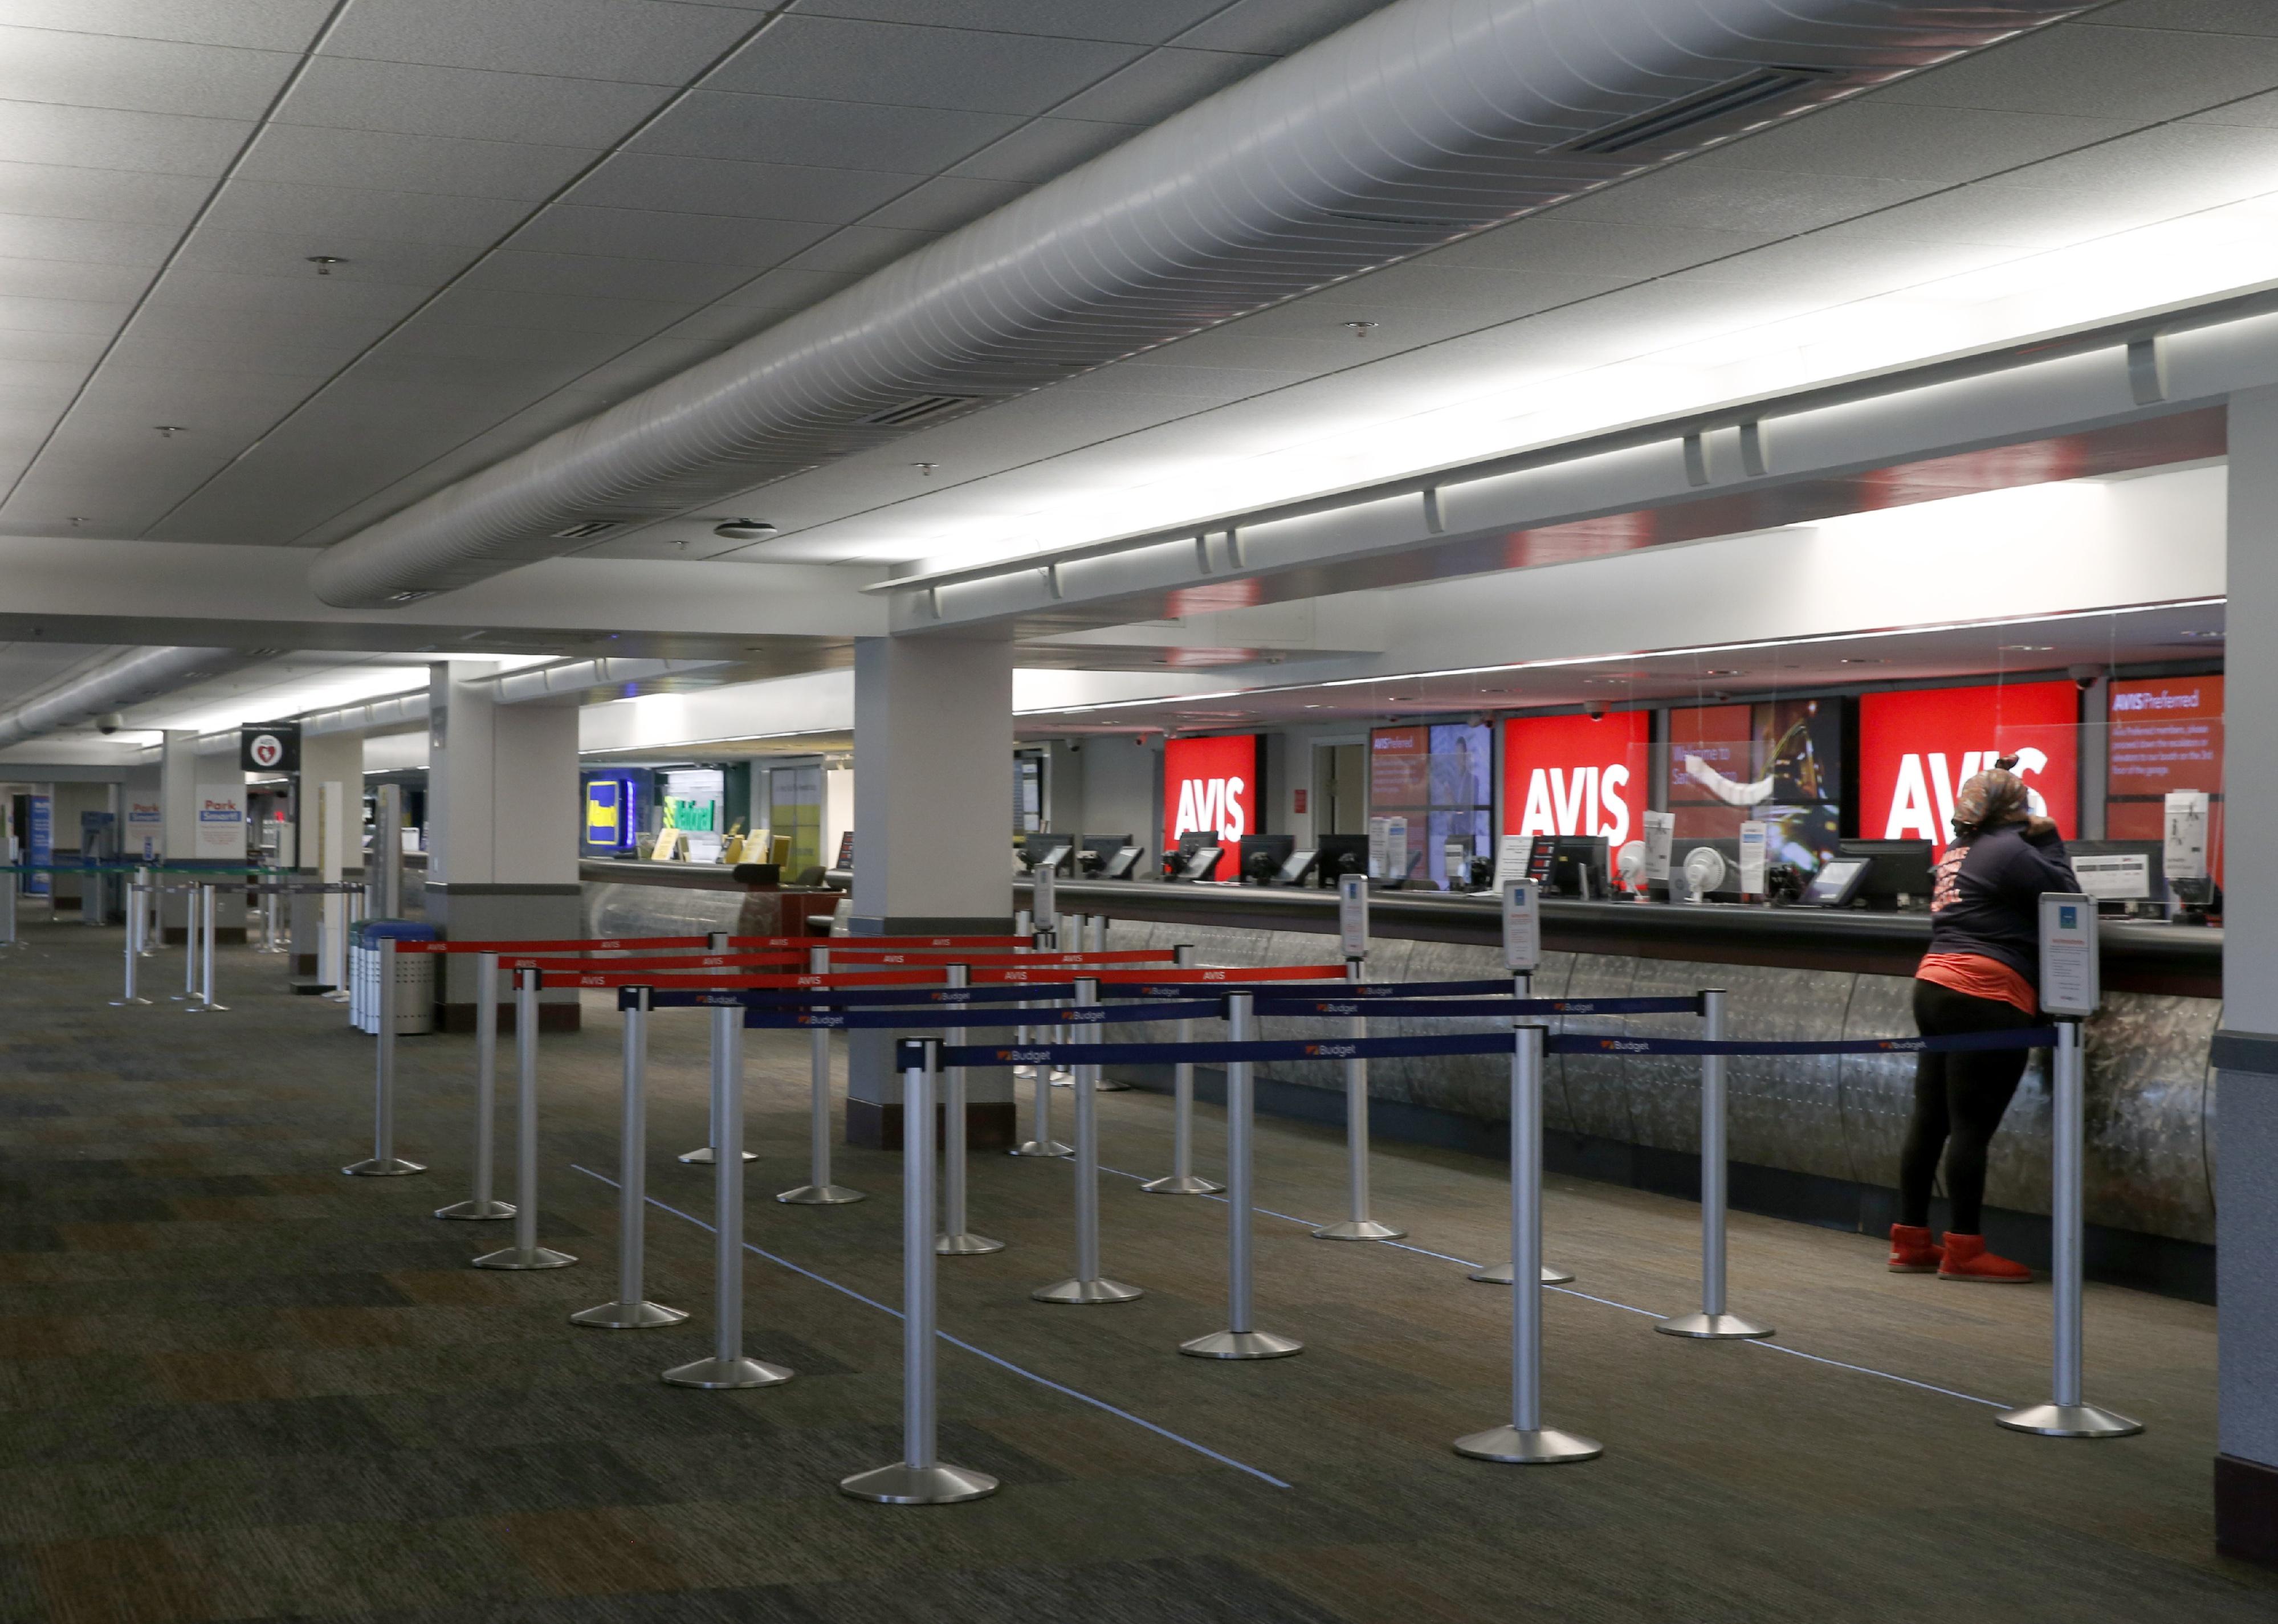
x=611, y=975
x=619, y=944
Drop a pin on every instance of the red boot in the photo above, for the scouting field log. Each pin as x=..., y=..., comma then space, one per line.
x=1967, y=1259
x=1913, y=1252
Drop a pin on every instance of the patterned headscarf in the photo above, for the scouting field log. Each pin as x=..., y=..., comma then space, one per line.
x=1991, y=798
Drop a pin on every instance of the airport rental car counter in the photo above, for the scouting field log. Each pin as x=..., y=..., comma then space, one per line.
x=1812, y=1138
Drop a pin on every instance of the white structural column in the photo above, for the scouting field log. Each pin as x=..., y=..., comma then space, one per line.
x=2246, y=1050
x=501, y=829
x=933, y=805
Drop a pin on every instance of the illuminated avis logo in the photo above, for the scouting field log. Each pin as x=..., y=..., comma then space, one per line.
x=1585, y=801
x=1921, y=803
x=1212, y=803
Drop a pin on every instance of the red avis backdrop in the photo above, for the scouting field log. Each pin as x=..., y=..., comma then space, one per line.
x=1576, y=774
x=1917, y=748
x=1212, y=784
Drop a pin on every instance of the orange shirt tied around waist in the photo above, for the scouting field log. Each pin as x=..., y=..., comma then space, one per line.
x=1975, y=976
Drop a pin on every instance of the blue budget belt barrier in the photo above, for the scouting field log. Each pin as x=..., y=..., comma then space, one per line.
x=1476, y=1008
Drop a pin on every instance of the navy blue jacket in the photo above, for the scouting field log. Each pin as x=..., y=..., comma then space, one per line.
x=1986, y=896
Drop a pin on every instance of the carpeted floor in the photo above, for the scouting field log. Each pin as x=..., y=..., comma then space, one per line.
x=237, y=1386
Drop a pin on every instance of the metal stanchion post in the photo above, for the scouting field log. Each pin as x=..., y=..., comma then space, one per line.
x=1097, y=924
x=818, y=1191
x=384, y=1163
x=1040, y=1142
x=918, y=1478
x=1087, y=1285
x=478, y=1206
x=955, y=1239
x=272, y=908
x=129, y=997
x=1526, y=1441
x=1239, y=1339
x=8, y=903
x=525, y=1253
x=2065, y=1416
x=1064, y=1077
x=630, y=1309
x=716, y=941
x=200, y=920
x=1712, y=1322
x=1181, y=1180
x=1522, y=986
x=1358, y=1225
x=727, y=1366
x=189, y=947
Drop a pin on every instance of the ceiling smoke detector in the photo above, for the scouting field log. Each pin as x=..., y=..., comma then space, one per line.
x=744, y=529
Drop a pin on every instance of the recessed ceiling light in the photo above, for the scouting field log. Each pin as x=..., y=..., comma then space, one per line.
x=2028, y=648
x=170, y=430
x=1360, y=330
x=743, y=530
x=1861, y=659
x=323, y=263
x=1726, y=673
x=2203, y=635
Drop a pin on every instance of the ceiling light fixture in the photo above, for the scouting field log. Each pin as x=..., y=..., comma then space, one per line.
x=744, y=529
x=323, y=263
x=170, y=430
x=1360, y=330
x=925, y=469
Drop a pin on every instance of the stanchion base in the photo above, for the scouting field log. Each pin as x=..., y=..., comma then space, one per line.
x=966, y=1244
x=1502, y=1274
x=704, y=1158
x=1712, y=1326
x=1045, y=1147
x=919, y=1485
x=372, y=1167
x=1088, y=1291
x=1062, y=1079
x=822, y=1195
x=477, y=1212
x=1358, y=1229
x=628, y=1317
x=2069, y=1420
x=129, y=1003
x=1543, y=1447
x=714, y=1374
x=1171, y=1184
x=515, y=1257
x=1241, y=1344
x=202, y=1008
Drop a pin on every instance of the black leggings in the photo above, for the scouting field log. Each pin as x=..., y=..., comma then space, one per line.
x=1959, y=1100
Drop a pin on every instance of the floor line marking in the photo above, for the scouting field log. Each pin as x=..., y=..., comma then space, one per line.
x=959, y=1342
x=1568, y=1291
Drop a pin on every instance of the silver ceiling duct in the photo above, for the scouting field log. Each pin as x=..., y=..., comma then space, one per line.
x=129, y=679
x=1425, y=122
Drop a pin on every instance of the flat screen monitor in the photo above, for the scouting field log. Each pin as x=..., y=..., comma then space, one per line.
x=1125, y=863
x=1094, y=852
x=2120, y=870
x=1579, y=867
x=1341, y=855
x=1835, y=883
x=1299, y=865
x=1262, y=855
x=1201, y=864
x=1898, y=872
x=1048, y=850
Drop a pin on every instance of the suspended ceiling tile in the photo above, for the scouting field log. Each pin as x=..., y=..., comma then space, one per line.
x=1772, y=201
x=80, y=349
x=2260, y=111
x=435, y=332
x=780, y=129
x=1899, y=141
x=1044, y=149
x=40, y=385
x=100, y=138
x=596, y=276
x=405, y=217
x=256, y=329
x=1559, y=242
x=96, y=243
x=2142, y=74
x=84, y=315
x=271, y=254
x=257, y=25
x=845, y=60
x=2188, y=165
x=468, y=104
x=194, y=339
x=2213, y=16
x=716, y=186
x=306, y=297
x=643, y=42
x=303, y=155
x=1160, y=83
x=71, y=193
x=703, y=239
x=1148, y=24
x=62, y=278
x=1276, y=27
x=859, y=249
x=944, y=203
x=559, y=313
x=2014, y=216
x=151, y=76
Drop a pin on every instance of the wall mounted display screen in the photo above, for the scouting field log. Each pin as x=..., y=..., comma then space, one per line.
x=1441, y=779
x=1212, y=785
x=1576, y=774
x=1917, y=748
x=1777, y=761
x=2167, y=735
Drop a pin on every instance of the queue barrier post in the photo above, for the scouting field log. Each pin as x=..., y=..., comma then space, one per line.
x=1357, y=1224
x=201, y=918
x=1040, y=1142
x=1522, y=986
x=1526, y=1441
x=2064, y=1415
x=630, y=1309
x=956, y=1240
x=188, y=994
x=1240, y=1339
x=1087, y=1286
x=727, y=1367
x=383, y=1162
x=818, y=1191
x=8, y=905
x=129, y=998
x=525, y=1253
x=1182, y=1179
x=919, y=1478
x=1713, y=1322
x=478, y=1206
x=714, y=942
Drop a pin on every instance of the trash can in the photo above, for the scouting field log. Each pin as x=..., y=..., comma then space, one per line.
x=415, y=977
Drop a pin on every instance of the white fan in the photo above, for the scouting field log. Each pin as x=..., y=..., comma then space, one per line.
x=1630, y=864
x=1704, y=871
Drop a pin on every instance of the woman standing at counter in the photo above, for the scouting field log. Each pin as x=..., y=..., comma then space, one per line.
x=1979, y=975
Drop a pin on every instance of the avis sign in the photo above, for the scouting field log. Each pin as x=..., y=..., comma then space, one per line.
x=1575, y=774
x=1212, y=785
x=1916, y=751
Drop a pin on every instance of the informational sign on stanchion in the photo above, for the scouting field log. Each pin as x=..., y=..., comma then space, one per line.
x=1352, y=916
x=630, y=1309
x=1240, y=1338
x=2071, y=989
x=1522, y=955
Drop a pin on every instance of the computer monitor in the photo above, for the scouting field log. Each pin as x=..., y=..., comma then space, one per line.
x=1300, y=864
x=1262, y=855
x=1579, y=867
x=1897, y=875
x=1055, y=850
x=1125, y=863
x=1341, y=855
x=1835, y=883
x=2121, y=871
x=1200, y=863
x=1094, y=852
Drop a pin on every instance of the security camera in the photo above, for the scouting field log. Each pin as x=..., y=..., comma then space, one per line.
x=744, y=529
x=2084, y=677
x=110, y=722
x=1593, y=708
